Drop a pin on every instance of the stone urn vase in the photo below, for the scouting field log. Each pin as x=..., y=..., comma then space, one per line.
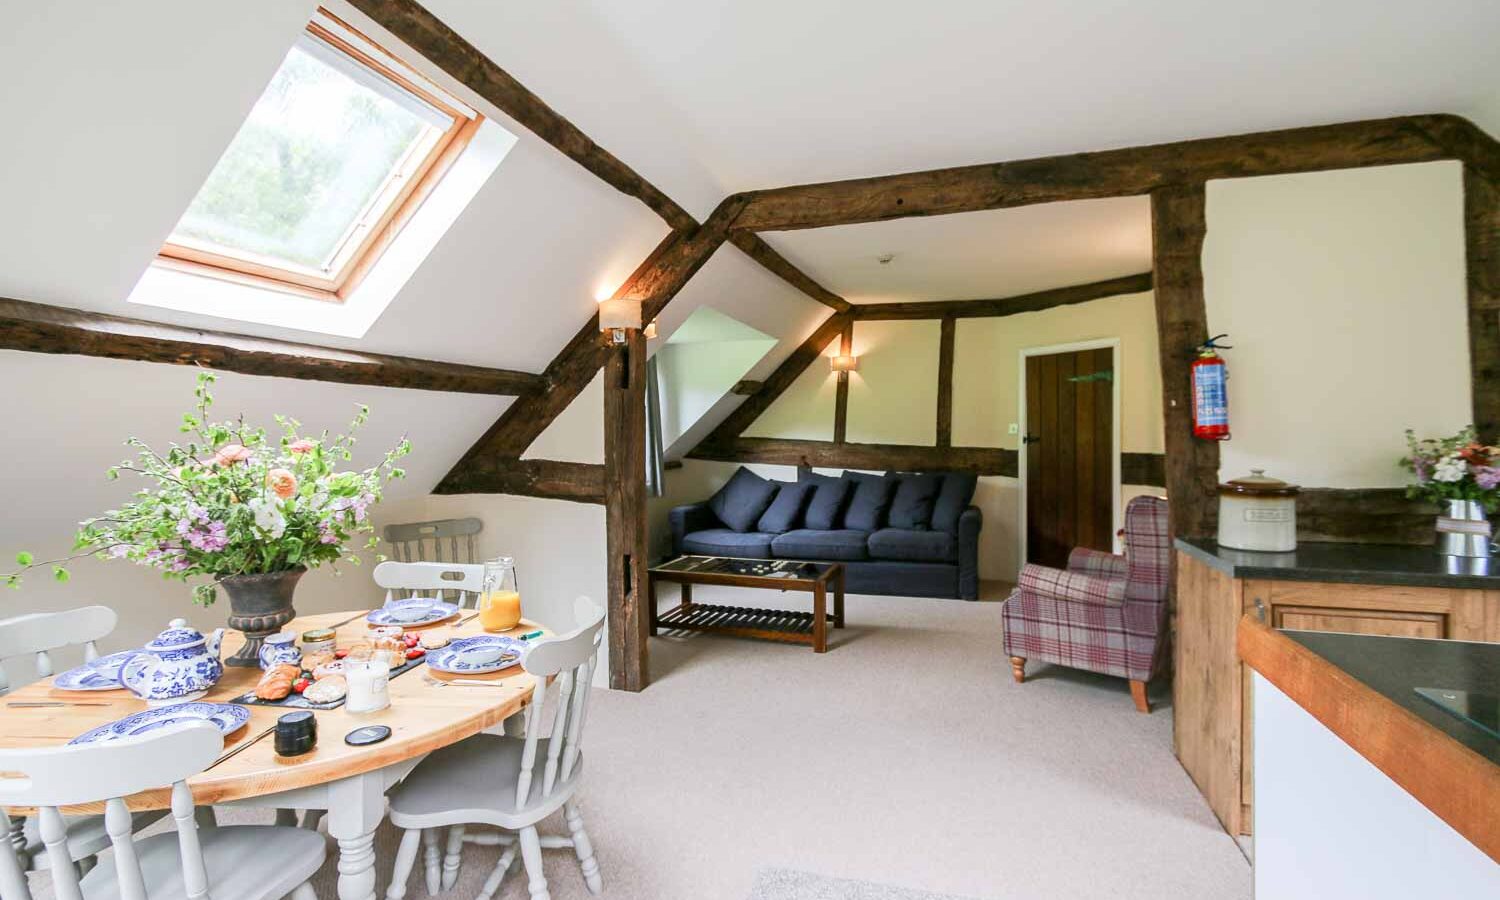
x=258, y=606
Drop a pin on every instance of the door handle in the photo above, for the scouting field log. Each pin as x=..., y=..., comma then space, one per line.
x=1030, y=439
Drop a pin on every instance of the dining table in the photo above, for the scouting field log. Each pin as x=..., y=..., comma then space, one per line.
x=429, y=710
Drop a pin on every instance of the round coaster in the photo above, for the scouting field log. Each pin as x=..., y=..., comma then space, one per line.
x=369, y=734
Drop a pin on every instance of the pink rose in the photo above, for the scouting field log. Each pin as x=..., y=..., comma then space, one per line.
x=281, y=482
x=302, y=445
x=229, y=454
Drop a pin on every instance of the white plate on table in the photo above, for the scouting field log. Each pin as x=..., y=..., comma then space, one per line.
x=413, y=612
x=227, y=717
x=102, y=674
x=477, y=655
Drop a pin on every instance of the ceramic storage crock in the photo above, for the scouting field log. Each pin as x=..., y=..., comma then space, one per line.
x=1257, y=512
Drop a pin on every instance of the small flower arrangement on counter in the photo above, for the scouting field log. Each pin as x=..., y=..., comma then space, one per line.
x=232, y=503
x=1453, y=468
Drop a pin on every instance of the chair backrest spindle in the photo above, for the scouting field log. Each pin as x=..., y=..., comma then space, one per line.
x=410, y=543
x=570, y=657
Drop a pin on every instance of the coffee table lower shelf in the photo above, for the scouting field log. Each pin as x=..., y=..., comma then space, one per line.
x=787, y=626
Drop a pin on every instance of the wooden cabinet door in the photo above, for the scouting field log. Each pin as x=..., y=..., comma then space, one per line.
x=1363, y=621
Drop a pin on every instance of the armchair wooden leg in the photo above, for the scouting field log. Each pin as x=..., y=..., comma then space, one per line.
x=1018, y=668
x=1138, y=694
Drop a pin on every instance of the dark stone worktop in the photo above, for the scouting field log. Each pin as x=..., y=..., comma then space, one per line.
x=1395, y=667
x=1399, y=564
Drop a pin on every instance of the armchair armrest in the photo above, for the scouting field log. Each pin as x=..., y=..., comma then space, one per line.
x=1074, y=587
x=685, y=520
x=1096, y=562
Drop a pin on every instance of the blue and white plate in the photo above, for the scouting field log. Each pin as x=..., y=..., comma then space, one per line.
x=102, y=674
x=477, y=655
x=412, y=612
x=227, y=717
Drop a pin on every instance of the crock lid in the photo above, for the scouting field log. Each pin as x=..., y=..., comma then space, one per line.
x=177, y=635
x=1257, y=483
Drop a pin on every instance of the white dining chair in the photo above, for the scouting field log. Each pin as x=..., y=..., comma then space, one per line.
x=241, y=862
x=507, y=782
x=38, y=636
x=463, y=579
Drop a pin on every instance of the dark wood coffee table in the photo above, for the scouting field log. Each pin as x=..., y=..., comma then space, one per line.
x=787, y=626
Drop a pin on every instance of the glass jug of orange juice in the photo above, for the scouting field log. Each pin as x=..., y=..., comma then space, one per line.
x=499, y=597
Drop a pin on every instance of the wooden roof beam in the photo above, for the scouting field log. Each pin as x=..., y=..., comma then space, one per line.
x=38, y=328
x=1005, y=306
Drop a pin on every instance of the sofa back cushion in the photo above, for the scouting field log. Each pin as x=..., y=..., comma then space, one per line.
x=953, y=498
x=785, y=512
x=870, y=502
x=916, y=495
x=825, y=510
x=740, y=503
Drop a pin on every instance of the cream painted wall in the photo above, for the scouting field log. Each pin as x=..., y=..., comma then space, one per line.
x=1343, y=294
x=987, y=367
x=893, y=396
x=805, y=409
x=697, y=374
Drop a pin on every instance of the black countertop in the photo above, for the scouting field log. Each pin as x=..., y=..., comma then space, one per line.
x=1395, y=667
x=1400, y=564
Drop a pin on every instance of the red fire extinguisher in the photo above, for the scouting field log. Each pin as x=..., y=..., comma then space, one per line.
x=1210, y=394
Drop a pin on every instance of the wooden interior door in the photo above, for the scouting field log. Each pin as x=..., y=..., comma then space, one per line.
x=1069, y=440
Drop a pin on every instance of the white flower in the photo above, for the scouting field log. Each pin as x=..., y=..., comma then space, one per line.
x=268, y=518
x=1450, y=468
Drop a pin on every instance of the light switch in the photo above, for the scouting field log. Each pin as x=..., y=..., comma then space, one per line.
x=1014, y=428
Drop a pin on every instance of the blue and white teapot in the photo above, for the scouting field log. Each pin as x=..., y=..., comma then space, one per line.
x=180, y=664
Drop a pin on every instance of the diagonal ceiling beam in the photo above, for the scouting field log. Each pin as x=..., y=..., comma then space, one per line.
x=655, y=282
x=1125, y=172
x=425, y=33
x=38, y=328
x=1006, y=306
x=758, y=250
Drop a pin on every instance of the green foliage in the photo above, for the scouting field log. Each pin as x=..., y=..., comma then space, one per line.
x=231, y=502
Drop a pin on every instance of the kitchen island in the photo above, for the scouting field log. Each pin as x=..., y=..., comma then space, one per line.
x=1367, y=788
x=1374, y=589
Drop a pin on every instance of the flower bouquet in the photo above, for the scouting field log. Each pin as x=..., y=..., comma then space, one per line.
x=250, y=512
x=1453, y=468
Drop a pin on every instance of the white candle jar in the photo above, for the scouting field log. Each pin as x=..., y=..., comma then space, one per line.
x=369, y=685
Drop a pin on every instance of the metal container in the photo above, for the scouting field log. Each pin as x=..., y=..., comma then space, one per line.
x=1464, y=530
x=1258, y=513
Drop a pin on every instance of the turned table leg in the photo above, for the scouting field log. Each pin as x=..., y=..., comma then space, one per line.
x=356, y=806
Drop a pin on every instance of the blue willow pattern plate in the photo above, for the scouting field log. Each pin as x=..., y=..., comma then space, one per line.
x=391, y=614
x=227, y=717
x=481, y=650
x=103, y=674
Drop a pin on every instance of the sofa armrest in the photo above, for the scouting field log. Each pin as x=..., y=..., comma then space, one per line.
x=684, y=520
x=969, y=523
x=1071, y=587
x=1087, y=561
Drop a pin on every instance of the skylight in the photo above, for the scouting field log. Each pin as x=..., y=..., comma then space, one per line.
x=340, y=149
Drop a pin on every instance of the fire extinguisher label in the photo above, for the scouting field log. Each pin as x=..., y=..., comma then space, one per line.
x=1210, y=401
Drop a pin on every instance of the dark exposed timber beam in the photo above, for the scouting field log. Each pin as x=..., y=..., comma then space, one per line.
x=547, y=478
x=764, y=254
x=1125, y=172
x=1006, y=306
x=826, y=454
x=428, y=35
x=38, y=328
x=746, y=388
x=625, y=513
x=1482, y=253
x=654, y=283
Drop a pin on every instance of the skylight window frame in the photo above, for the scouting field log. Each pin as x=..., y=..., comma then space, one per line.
x=372, y=232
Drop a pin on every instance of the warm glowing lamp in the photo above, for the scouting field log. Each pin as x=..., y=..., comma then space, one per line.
x=617, y=315
x=844, y=363
x=650, y=331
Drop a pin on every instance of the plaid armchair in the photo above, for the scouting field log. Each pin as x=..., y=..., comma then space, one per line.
x=1105, y=613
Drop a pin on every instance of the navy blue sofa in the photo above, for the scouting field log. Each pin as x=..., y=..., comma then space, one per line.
x=904, y=554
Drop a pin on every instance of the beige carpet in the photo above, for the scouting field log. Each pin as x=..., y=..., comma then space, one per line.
x=904, y=756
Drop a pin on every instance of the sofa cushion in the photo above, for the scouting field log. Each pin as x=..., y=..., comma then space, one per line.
x=953, y=498
x=915, y=497
x=785, y=512
x=913, y=546
x=808, y=543
x=825, y=509
x=871, y=499
x=740, y=503
x=726, y=542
